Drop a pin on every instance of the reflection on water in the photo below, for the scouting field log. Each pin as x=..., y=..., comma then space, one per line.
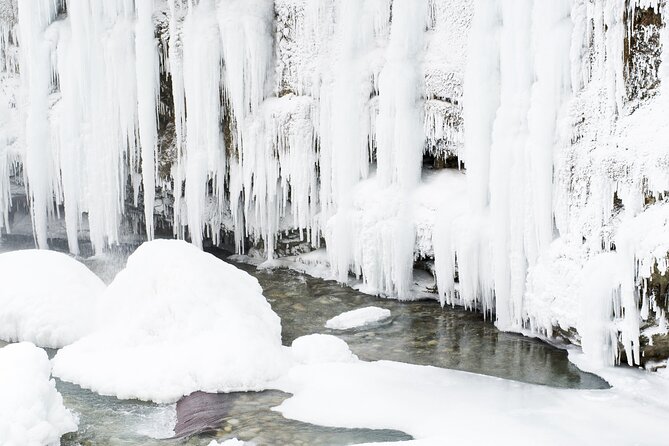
x=418, y=333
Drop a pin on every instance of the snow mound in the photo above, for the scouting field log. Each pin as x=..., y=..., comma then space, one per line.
x=320, y=348
x=358, y=318
x=31, y=409
x=46, y=298
x=177, y=320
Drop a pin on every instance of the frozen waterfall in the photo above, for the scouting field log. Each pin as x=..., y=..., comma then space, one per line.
x=254, y=119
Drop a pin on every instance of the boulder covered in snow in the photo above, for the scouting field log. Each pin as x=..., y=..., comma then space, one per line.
x=31, y=409
x=47, y=298
x=358, y=318
x=177, y=320
x=320, y=348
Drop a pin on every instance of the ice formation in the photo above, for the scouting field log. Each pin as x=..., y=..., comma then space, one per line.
x=358, y=318
x=31, y=409
x=248, y=120
x=46, y=297
x=174, y=321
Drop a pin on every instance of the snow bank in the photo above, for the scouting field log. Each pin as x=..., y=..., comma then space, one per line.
x=31, y=410
x=439, y=406
x=320, y=348
x=46, y=298
x=358, y=318
x=174, y=321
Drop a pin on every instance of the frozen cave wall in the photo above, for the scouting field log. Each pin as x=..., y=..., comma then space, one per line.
x=518, y=148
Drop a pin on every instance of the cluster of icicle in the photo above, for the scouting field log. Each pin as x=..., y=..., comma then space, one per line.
x=248, y=153
x=90, y=85
x=534, y=69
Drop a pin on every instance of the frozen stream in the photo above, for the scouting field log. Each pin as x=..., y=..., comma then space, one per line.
x=418, y=333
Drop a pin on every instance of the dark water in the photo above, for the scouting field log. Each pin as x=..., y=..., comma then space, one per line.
x=418, y=333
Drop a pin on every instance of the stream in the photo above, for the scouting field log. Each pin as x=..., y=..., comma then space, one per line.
x=418, y=332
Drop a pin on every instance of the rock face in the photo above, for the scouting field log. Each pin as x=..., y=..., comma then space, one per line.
x=287, y=125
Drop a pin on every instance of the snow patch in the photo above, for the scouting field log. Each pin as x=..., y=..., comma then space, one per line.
x=358, y=318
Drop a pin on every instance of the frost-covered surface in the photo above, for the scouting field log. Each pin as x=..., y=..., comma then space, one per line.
x=46, y=298
x=409, y=398
x=358, y=318
x=31, y=409
x=174, y=321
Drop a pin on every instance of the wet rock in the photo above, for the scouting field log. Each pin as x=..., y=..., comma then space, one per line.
x=202, y=412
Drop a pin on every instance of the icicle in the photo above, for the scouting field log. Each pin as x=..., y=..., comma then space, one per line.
x=101, y=90
x=70, y=147
x=247, y=50
x=34, y=17
x=551, y=36
x=204, y=153
x=468, y=240
x=175, y=56
x=148, y=85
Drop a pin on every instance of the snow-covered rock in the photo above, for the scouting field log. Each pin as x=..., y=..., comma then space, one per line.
x=174, y=321
x=320, y=348
x=358, y=318
x=46, y=297
x=31, y=409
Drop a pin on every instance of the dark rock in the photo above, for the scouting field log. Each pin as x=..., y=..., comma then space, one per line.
x=202, y=412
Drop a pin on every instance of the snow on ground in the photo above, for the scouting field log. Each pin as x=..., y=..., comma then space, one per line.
x=440, y=407
x=358, y=318
x=31, y=410
x=46, y=297
x=174, y=321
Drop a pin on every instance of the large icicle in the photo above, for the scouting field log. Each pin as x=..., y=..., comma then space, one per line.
x=147, y=93
x=204, y=153
x=247, y=50
x=34, y=18
x=467, y=239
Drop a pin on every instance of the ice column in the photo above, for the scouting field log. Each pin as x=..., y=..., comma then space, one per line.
x=148, y=82
x=34, y=17
x=204, y=155
x=400, y=135
x=467, y=239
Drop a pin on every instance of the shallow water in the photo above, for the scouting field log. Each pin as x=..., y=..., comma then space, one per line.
x=418, y=332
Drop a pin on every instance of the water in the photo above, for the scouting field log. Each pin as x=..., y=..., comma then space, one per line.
x=418, y=332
